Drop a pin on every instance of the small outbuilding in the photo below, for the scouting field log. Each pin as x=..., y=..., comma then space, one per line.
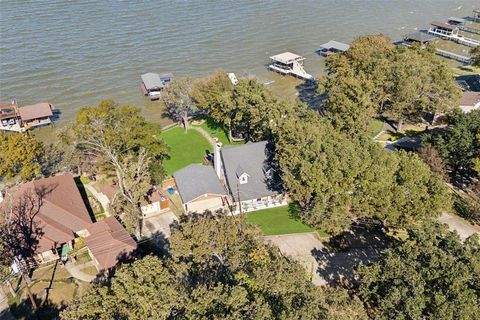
x=200, y=189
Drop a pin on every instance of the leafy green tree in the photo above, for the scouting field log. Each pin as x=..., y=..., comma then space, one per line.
x=123, y=142
x=219, y=268
x=432, y=275
x=357, y=83
x=336, y=179
x=432, y=158
x=475, y=56
x=144, y=290
x=459, y=146
x=21, y=156
x=375, y=77
x=253, y=102
x=178, y=99
x=421, y=83
x=215, y=94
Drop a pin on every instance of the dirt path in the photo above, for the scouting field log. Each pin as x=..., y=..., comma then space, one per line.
x=205, y=134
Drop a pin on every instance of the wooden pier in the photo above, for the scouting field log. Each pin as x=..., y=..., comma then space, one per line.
x=454, y=56
x=469, y=29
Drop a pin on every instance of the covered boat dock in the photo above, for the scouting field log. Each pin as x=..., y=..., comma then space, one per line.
x=331, y=47
x=289, y=63
x=153, y=83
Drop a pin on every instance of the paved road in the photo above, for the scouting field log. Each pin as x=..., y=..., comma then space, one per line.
x=463, y=228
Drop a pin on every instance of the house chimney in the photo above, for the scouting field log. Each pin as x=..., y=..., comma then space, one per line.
x=217, y=160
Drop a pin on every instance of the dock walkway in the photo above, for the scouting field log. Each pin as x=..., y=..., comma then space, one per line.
x=469, y=29
x=472, y=43
x=454, y=56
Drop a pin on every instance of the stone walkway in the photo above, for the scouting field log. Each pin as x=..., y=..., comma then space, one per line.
x=76, y=272
x=103, y=199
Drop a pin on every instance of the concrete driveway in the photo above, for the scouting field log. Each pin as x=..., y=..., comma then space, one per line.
x=157, y=229
x=299, y=246
x=326, y=266
x=463, y=228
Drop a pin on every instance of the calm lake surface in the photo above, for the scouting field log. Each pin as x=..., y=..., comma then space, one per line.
x=76, y=53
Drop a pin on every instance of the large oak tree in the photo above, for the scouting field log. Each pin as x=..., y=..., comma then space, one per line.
x=432, y=275
x=219, y=268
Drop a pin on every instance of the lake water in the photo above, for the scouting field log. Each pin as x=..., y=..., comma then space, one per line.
x=76, y=53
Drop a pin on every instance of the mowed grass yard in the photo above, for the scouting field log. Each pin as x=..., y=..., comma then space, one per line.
x=216, y=130
x=279, y=220
x=185, y=148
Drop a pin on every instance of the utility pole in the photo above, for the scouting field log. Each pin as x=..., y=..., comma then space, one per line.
x=238, y=197
x=23, y=267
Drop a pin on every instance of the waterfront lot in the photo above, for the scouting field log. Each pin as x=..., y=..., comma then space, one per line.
x=185, y=148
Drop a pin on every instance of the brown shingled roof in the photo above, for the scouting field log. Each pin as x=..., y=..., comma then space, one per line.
x=108, y=241
x=8, y=110
x=35, y=111
x=443, y=25
x=62, y=212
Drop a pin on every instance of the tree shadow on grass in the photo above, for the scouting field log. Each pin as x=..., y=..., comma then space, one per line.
x=307, y=93
x=294, y=211
x=22, y=309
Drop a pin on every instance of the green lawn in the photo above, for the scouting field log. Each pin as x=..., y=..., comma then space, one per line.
x=185, y=148
x=375, y=127
x=217, y=131
x=280, y=220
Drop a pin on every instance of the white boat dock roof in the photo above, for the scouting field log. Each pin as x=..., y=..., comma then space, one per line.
x=152, y=81
x=332, y=44
x=287, y=57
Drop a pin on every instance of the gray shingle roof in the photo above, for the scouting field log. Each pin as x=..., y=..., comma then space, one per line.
x=197, y=180
x=420, y=36
x=152, y=81
x=332, y=44
x=250, y=158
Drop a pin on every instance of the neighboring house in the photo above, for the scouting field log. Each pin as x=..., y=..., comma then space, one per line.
x=21, y=119
x=470, y=101
x=109, y=243
x=57, y=209
x=200, y=189
x=248, y=176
